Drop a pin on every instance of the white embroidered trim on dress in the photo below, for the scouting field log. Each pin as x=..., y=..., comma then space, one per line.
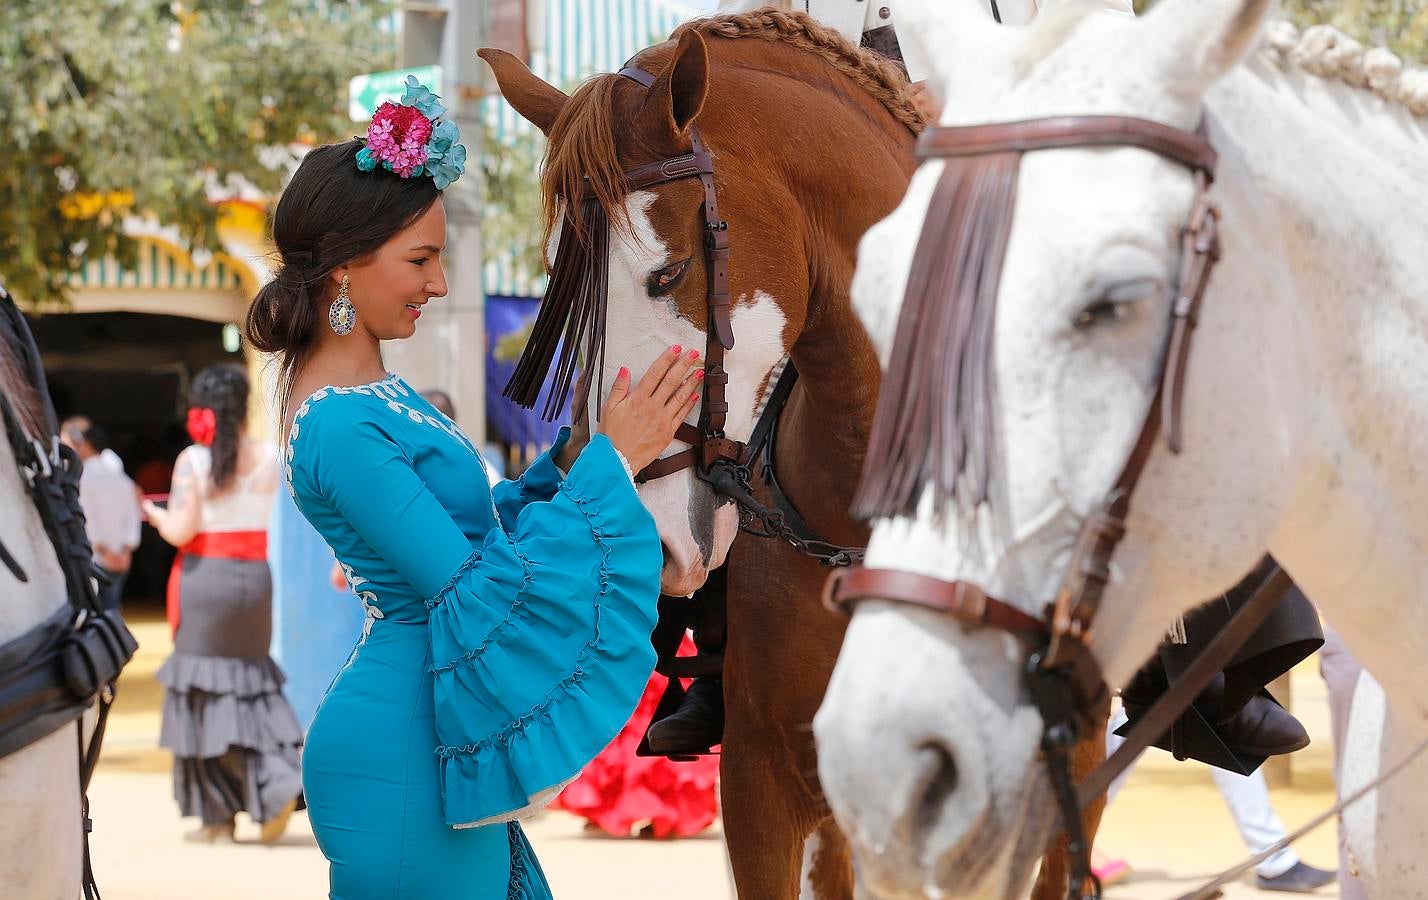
x=389, y=386
x=629, y=473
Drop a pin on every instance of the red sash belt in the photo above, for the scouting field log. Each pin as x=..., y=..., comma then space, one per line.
x=250, y=546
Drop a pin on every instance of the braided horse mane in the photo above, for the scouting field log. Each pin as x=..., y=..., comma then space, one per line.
x=875, y=73
x=582, y=143
x=1325, y=51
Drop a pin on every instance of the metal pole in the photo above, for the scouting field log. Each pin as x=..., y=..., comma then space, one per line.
x=449, y=349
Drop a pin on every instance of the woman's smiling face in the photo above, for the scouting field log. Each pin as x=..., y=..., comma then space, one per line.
x=390, y=287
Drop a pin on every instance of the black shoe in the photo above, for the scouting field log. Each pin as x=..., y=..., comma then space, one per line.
x=696, y=726
x=1302, y=879
x=1264, y=728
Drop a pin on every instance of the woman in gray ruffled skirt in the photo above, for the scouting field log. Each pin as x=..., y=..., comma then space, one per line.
x=234, y=738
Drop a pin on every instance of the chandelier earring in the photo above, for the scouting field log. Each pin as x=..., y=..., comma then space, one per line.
x=342, y=315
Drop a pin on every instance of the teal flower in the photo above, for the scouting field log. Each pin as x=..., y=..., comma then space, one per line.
x=443, y=137
x=449, y=168
x=366, y=160
x=420, y=97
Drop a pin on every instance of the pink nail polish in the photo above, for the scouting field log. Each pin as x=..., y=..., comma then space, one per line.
x=693, y=354
x=624, y=372
x=677, y=350
x=699, y=375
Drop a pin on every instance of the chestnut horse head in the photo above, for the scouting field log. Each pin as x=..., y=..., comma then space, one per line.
x=763, y=92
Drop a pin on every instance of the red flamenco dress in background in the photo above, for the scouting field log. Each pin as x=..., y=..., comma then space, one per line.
x=619, y=791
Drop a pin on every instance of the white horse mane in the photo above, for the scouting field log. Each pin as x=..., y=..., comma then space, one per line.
x=1328, y=53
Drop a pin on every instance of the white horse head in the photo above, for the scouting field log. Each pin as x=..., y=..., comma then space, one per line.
x=1303, y=421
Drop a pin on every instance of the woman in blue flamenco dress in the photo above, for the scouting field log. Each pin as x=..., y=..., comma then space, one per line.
x=507, y=631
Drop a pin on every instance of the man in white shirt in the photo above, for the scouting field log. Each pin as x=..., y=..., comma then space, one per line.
x=110, y=502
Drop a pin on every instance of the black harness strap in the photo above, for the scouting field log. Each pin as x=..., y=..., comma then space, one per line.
x=782, y=520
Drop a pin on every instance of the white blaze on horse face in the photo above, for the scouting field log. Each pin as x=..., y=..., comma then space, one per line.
x=695, y=531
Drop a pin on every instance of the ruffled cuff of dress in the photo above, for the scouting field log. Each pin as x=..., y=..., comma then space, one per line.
x=543, y=478
x=524, y=711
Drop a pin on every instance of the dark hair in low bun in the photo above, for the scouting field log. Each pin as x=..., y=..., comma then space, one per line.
x=223, y=389
x=330, y=214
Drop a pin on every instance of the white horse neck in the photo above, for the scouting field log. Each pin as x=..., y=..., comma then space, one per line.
x=1325, y=266
x=28, y=603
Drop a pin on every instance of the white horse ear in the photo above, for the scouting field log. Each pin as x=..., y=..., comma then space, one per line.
x=1204, y=39
x=956, y=38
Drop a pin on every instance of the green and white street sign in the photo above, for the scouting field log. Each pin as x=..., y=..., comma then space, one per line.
x=367, y=92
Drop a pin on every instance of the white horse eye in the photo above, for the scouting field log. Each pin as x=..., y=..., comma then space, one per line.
x=1101, y=310
x=1117, y=301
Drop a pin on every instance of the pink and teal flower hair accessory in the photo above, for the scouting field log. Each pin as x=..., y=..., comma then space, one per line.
x=412, y=137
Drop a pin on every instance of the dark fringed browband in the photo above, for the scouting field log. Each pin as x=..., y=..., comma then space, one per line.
x=571, y=317
x=934, y=427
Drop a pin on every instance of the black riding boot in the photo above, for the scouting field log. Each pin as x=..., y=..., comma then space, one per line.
x=1235, y=723
x=696, y=726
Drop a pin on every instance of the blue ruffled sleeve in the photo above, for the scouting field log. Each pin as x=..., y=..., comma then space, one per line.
x=537, y=484
x=540, y=638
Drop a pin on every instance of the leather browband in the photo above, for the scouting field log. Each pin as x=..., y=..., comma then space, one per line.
x=1190, y=149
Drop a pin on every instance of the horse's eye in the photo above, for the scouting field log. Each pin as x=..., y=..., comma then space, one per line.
x=1119, y=301
x=662, y=280
x=1101, y=310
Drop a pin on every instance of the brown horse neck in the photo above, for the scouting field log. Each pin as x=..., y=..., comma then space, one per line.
x=846, y=165
x=823, y=434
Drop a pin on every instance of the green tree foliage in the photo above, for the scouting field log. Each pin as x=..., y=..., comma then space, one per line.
x=510, y=172
x=120, y=107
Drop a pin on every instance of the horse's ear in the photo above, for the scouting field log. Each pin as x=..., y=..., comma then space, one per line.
x=536, y=101
x=1204, y=39
x=677, y=95
x=958, y=39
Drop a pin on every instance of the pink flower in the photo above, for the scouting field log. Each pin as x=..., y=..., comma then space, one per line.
x=397, y=137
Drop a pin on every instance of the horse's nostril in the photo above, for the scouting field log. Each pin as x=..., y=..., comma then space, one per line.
x=940, y=781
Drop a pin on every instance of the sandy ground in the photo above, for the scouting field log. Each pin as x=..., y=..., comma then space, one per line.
x=1169, y=823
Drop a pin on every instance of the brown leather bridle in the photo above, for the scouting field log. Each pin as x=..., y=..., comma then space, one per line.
x=1069, y=619
x=1063, y=677
x=573, y=312
x=578, y=282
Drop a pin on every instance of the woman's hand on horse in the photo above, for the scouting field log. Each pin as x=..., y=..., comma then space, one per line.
x=641, y=420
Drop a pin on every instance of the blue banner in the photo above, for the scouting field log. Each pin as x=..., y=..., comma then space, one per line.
x=506, y=317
